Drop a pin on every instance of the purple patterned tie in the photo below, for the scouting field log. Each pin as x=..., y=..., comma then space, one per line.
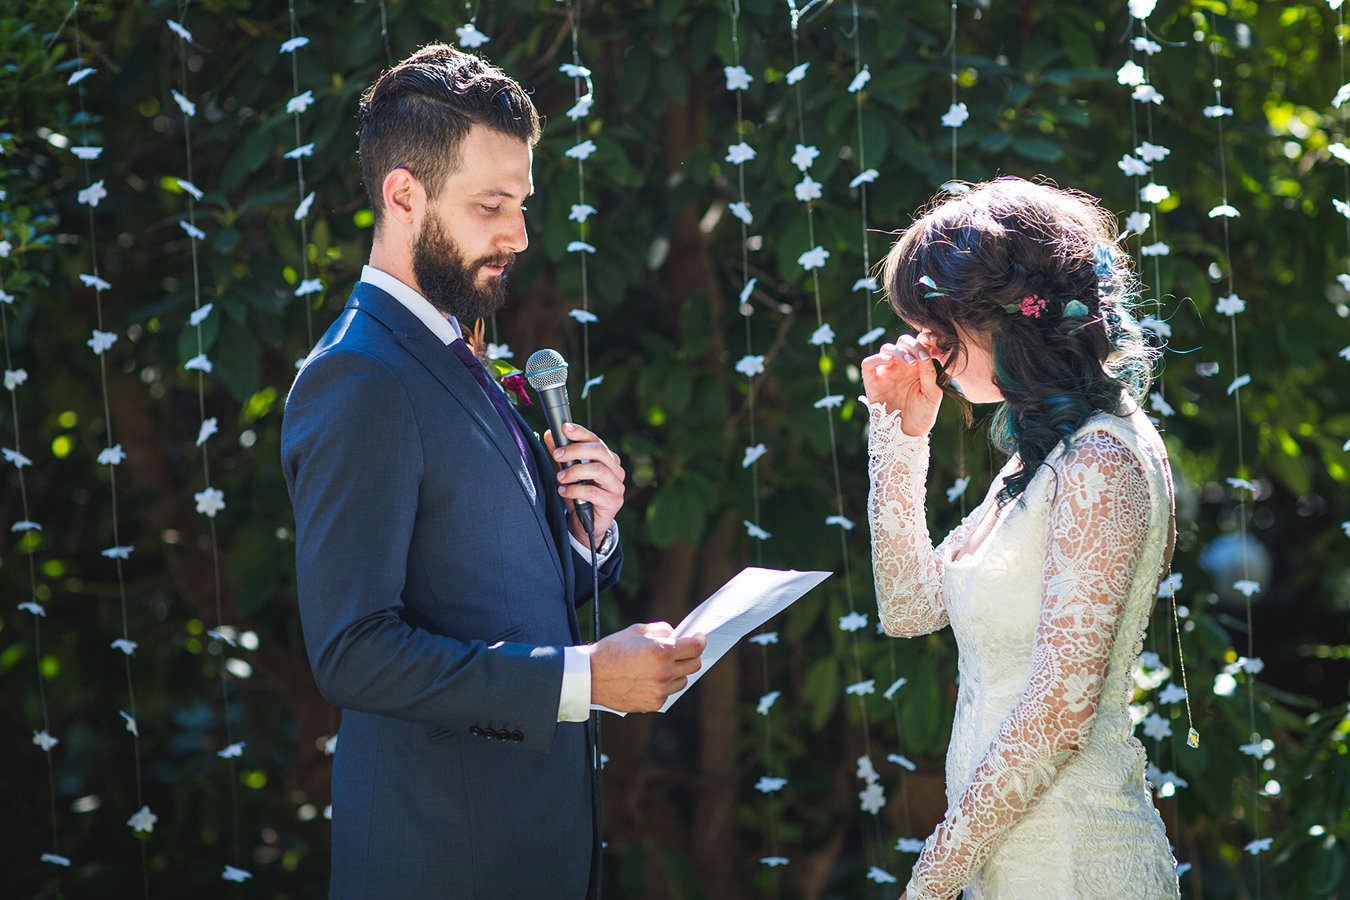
x=495, y=396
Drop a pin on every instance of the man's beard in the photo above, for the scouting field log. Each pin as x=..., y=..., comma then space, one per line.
x=448, y=282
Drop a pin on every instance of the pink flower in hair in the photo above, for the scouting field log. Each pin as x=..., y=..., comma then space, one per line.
x=1032, y=306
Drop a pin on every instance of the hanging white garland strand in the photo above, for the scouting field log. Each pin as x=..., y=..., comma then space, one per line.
x=296, y=105
x=143, y=820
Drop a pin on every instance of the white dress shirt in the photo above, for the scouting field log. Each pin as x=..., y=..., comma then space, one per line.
x=574, y=703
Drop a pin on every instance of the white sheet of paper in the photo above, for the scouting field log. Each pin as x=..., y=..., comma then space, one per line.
x=740, y=606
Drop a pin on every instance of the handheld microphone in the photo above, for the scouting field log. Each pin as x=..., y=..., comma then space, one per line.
x=546, y=371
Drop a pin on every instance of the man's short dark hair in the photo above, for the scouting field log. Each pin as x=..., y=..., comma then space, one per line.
x=416, y=116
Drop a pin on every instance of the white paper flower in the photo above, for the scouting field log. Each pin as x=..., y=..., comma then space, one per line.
x=303, y=209
x=192, y=230
x=752, y=454
x=470, y=37
x=126, y=646
x=209, y=427
x=79, y=75
x=956, y=115
x=34, y=608
x=300, y=102
x=44, y=740
x=866, y=176
x=1132, y=167
x=1169, y=586
x=1160, y=405
x=737, y=78
x=859, y=80
x=1172, y=694
x=25, y=525
x=131, y=722
x=117, y=552
x=852, y=622
x=880, y=876
x=330, y=746
x=1141, y=9
x=580, y=247
x=896, y=685
x=238, y=876
x=1147, y=93
x=101, y=341
x=17, y=458
x=1230, y=305
x=572, y=70
x=1138, y=222
x=1239, y=382
x=1255, y=847
x=593, y=382
x=1158, y=249
x=190, y=188
x=797, y=73
x=862, y=688
x=86, y=153
x=1154, y=193
x=210, y=501
x=309, y=286
x=293, y=44
x=807, y=189
x=1131, y=74
x=1151, y=152
x=302, y=150
x=909, y=845
x=1216, y=111
x=768, y=637
x=234, y=750
x=200, y=314
x=755, y=531
x=766, y=702
x=957, y=489
x=1342, y=207
x=740, y=153
x=582, y=108
x=1156, y=727
x=772, y=861
x=581, y=212
x=14, y=378
x=55, y=859
x=92, y=194
x=5, y=249
x=842, y=521
x=901, y=761
x=741, y=210
x=746, y=292
x=872, y=798
x=1144, y=45
x=584, y=316
x=829, y=401
x=199, y=363
x=581, y=151
x=111, y=456
x=1242, y=484
x=143, y=820
x=768, y=785
x=813, y=258
x=804, y=156
x=822, y=335
x=866, y=771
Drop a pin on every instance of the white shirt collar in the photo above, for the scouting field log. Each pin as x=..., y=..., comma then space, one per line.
x=444, y=327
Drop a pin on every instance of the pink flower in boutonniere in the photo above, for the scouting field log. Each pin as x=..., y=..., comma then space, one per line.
x=515, y=384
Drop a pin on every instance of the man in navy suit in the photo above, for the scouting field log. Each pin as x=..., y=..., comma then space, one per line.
x=439, y=561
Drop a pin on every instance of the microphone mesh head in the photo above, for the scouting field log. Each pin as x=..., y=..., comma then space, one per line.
x=546, y=369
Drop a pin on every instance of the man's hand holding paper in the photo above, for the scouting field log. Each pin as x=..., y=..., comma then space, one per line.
x=637, y=669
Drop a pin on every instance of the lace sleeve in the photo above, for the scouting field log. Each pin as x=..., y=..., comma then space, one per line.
x=1097, y=525
x=904, y=565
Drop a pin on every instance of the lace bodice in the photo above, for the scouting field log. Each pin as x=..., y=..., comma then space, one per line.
x=1048, y=597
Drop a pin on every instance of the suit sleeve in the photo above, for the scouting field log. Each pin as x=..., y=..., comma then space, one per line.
x=353, y=461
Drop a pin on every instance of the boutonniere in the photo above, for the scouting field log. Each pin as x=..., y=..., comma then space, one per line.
x=507, y=375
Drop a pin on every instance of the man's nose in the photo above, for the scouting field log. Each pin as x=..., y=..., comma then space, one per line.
x=514, y=238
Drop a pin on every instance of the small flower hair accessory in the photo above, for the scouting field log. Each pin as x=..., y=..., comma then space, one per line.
x=1032, y=305
x=1076, y=308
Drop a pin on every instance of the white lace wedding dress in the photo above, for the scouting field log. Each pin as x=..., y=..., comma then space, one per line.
x=1048, y=598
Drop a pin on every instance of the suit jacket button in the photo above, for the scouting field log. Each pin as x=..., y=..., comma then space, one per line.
x=517, y=737
x=503, y=735
x=475, y=731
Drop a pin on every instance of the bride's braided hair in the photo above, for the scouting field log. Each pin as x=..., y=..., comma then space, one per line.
x=1031, y=269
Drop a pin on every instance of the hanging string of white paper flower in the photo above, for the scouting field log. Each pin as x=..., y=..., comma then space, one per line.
x=296, y=107
x=583, y=93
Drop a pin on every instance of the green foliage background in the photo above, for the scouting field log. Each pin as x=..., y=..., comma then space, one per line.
x=683, y=818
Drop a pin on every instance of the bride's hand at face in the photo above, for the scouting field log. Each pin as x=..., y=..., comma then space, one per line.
x=901, y=376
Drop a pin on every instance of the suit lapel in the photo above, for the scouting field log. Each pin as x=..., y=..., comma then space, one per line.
x=442, y=363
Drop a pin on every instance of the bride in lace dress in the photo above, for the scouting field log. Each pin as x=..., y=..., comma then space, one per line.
x=1020, y=298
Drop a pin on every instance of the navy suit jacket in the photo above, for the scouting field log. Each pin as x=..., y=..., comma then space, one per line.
x=437, y=588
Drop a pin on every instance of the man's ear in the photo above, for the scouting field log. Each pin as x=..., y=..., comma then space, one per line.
x=402, y=196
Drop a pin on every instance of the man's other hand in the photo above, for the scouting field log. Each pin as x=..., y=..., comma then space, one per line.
x=636, y=669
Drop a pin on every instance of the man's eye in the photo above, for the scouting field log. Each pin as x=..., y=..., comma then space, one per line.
x=491, y=208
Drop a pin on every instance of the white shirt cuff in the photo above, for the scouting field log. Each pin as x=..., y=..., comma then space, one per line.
x=574, y=703
x=609, y=542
